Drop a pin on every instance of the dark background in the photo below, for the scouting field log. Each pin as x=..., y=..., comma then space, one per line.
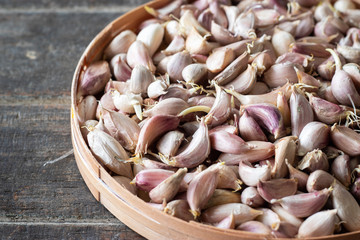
x=42, y=197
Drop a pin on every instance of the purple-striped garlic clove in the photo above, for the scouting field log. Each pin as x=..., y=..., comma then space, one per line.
x=227, y=223
x=140, y=79
x=250, y=129
x=152, y=36
x=168, y=106
x=296, y=58
x=281, y=41
x=176, y=65
x=109, y=152
x=157, y=89
x=176, y=45
x=307, y=79
x=188, y=22
x=151, y=164
x=277, y=188
x=342, y=86
x=298, y=175
x=327, y=112
x=269, y=117
x=86, y=109
x=226, y=142
x=312, y=49
x=340, y=168
x=260, y=151
x=196, y=44
x=314, y=135
x=179, y=209
x=301, y=112
x=120, y=44
x=220, y=110
x=122, y=128
x=220, y=59
x=95, y=78
x=305, y=204
x=269, y=218
x=196, y=152
x=251, y=197
x=194, y=73
x=348, y=209
x=232, y=70
x=223, y=35
x=251, y=175
x=167, y=189
x=205, y=19
x=242, y=213
x=148, y=179
x=153, y=128
x=245, y=82
x=285, y=71
x=126, y=183
x=222, y=196
x=263, y=62
x=119, y=67
x=285, y=149
x=227, y=178
x=314, y=160
x=254, y=227
x=345, y=139
x=286, y=216
x=197, y=194
x=170, y=143
x=319, y=224
x=138, y=54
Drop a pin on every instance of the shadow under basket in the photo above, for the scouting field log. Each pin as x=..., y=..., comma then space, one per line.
x=128, y=208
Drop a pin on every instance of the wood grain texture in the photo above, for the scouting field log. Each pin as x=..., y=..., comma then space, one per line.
x=40, y=44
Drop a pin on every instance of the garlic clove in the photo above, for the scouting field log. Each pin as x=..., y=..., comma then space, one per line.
x=345, y=139
x=269, y=218
x=245, y=82
x=223, y=35
x=198, y=195
x=260, y=151
x=194, y=73
x=140, y=79
x=298, y=175
x=277, y=188
x=313, y=161
x=286, y=216
x=222, y=196
x=281, y=41
x=304, y=204
x=95, y=78
x=340, y=168
x=220, y=59
x=314, y=135
x=285, y=149
x=252, y=175
x=170, y=143
x=227, y=223
x=119, y=67
x=151, y=36
x=179, y=209
x=220, y=110
x=167, y=189
x=120, y=44
x=176, y=65
x=168, y=106
x=176, y=45
x=250, y=129
x=138, y=54
x=251, y=197
x=285, y=70
x=319, y=224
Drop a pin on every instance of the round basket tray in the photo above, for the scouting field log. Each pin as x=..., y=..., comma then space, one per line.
x=128, y=208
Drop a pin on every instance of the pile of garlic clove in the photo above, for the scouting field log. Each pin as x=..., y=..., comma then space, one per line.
x=237, y=114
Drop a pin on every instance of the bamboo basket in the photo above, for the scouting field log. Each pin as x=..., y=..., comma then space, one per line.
x=129, y=209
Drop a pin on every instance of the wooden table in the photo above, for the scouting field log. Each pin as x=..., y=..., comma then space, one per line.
x=42, y=195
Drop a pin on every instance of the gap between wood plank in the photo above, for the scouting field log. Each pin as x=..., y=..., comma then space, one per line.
x=109, y=9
